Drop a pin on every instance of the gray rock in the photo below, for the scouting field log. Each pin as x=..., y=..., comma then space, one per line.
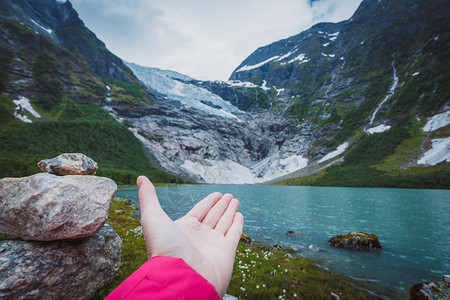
x=69, y=164
x=45, y=207
x=294, y=233
x=429, y=290
x=446, y=278
x=58, y=270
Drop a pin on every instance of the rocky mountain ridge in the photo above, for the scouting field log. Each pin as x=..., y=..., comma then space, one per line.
x=58, y=21
x=292, y=108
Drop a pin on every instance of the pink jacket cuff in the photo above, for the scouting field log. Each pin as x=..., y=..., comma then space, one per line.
x=164, y=277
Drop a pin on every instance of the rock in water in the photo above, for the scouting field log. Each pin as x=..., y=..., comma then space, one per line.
x=246, y=239
x=429, y=290
x=356, y=240
x=45, y=207
x=58, y=270
x=69, y=164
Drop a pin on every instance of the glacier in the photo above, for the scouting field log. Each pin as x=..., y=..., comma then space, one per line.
x=230, y=172
x=175, y=86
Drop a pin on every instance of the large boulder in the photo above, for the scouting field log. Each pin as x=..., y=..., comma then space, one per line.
x=45, y=207
x=430, y=290
x=58, y=270
x=69, y=164
x=356, y=240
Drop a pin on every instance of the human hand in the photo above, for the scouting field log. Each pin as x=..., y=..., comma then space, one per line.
x=206, y=238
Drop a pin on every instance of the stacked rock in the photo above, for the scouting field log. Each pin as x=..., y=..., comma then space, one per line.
x=64, y=249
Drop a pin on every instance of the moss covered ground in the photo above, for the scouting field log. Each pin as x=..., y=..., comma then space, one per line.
x=260, y=272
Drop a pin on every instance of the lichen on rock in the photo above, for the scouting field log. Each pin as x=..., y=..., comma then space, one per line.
x=246, y=239
x=69, y=164
x=58, y=270
x=356, y=240
x=429, y=290
x=45, y=207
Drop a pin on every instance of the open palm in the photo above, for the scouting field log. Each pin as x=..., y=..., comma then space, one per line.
x=206, y=237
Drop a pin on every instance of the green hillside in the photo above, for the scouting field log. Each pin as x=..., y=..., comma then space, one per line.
x=68, y=96
x=74, y=128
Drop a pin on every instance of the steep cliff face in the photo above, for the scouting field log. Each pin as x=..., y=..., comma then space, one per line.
x=58, y=21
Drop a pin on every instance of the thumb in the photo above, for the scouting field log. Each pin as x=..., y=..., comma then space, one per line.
x=148, y=200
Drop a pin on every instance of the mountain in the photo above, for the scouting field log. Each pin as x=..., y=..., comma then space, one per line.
x=56, y=79
x=344, y=103
x=198, y=135
x=384, y=71
x=363, y=102
x=60, y=23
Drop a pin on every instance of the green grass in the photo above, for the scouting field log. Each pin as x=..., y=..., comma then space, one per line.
x=380, y=160
x=259, y=272
x=77, y=128
x=134, y=253
x=264, y=273
x=408, y=149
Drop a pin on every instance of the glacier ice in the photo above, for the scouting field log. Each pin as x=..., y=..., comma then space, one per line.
x=176, y=86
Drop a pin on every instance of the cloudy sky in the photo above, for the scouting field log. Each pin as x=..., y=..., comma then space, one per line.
x=205, y=39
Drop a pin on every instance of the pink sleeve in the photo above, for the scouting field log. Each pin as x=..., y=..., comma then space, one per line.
x=164, y=277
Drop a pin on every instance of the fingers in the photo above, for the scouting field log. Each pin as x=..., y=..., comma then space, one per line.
x=201, y=209
x=227, y=218
x=235, y=231
x=216, y=212
x=148, y=200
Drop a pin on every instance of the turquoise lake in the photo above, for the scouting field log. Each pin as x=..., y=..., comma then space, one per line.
x=412, y=225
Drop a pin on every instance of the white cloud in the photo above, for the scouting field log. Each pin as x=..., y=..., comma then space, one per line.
x=202, y=39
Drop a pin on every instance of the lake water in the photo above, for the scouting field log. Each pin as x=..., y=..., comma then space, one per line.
x=413, y=226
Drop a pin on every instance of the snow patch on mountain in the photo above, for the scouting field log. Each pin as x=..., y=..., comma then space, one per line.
x=437, y=121
x=248, y=68
x=439, y=152
x=42, y=27
x=23, y=103
x=378, y=129
x=237, y=83
x=339, y=150
x=301, y=58
x=286, y=55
